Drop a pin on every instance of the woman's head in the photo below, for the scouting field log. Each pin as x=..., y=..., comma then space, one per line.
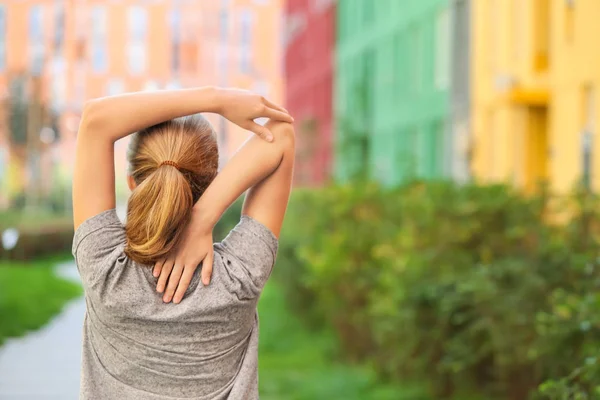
x=164, y=193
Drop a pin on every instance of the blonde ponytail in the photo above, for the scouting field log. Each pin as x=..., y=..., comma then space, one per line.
x=172, y=164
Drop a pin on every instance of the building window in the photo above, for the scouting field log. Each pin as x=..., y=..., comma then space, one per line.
x=368, y=11
x=2, y=37
x=442, y=49
x=114, y=86
x=36, y=39
x=246, y=28
x=223, y=25
x=416, y=59
x=222, y=52
x=136, y=50
x=175, y=22
x=98, y=40
x=541, y=38
x=588, y=133
x=59, y=83
x=59, y=27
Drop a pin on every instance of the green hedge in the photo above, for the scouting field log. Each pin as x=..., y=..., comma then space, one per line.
x=469, y=288
x=229, y=219
x=41, y=241
x=47, y=234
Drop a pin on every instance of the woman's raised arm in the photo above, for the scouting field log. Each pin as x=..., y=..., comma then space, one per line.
x=264, y=168
x=106, y=120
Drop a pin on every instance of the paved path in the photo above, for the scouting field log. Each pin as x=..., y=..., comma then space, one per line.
x=45, y=364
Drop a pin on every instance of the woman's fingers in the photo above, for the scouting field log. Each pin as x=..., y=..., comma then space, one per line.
x=173, y=282
x=275, y=106
x=207, y=267
x=278, y=115
x=164, y=275
x=184, y=283
x=260, y=131
x=157, y=268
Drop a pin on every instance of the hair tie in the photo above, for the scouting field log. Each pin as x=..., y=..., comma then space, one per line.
x=169, y=162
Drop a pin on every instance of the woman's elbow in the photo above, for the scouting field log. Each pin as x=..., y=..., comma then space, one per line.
x=284, y=133
x=91, y=116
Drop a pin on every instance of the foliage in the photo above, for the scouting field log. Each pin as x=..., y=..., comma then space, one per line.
x=60, y=198
x=30, y=294
x=47, y=235
x=18, y=111
x=297, y=364
x=469, y=288
x=229, y=219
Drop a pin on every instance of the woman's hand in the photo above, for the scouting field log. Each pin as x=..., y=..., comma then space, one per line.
x=196, y=247
x=242, y=107
x=176, y=271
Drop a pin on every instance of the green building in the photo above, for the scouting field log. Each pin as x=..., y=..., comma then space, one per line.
x=392, y=89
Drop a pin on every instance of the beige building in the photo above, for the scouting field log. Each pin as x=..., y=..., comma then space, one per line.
x=56, y=54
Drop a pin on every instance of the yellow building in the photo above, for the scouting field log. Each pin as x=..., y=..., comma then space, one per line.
x=536, y=70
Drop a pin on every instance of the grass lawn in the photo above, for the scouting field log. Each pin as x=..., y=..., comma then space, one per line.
x=30, y=295
x=297, y=364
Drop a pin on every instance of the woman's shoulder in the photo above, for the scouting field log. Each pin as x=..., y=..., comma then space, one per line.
x=97, y=240
x=248, y=253
x=102, y=227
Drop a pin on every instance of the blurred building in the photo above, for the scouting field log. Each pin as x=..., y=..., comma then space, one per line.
x=536, y=72
x=392, y=89
x=460, y=146
x=242, y=47
x=56, y=54
x=309, y=48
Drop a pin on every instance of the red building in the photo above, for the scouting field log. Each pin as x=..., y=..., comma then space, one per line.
x=309, y=60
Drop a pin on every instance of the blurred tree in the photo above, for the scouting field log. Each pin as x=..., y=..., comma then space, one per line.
x=28, y=115
x=307, y=149
x=18, y=111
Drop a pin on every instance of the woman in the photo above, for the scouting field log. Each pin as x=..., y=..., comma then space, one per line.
x=138, y=344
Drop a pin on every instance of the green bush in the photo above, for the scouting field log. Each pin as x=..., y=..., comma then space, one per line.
x=229, y=219
x=41, y=233
x=470, y=288
x=40, y=241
